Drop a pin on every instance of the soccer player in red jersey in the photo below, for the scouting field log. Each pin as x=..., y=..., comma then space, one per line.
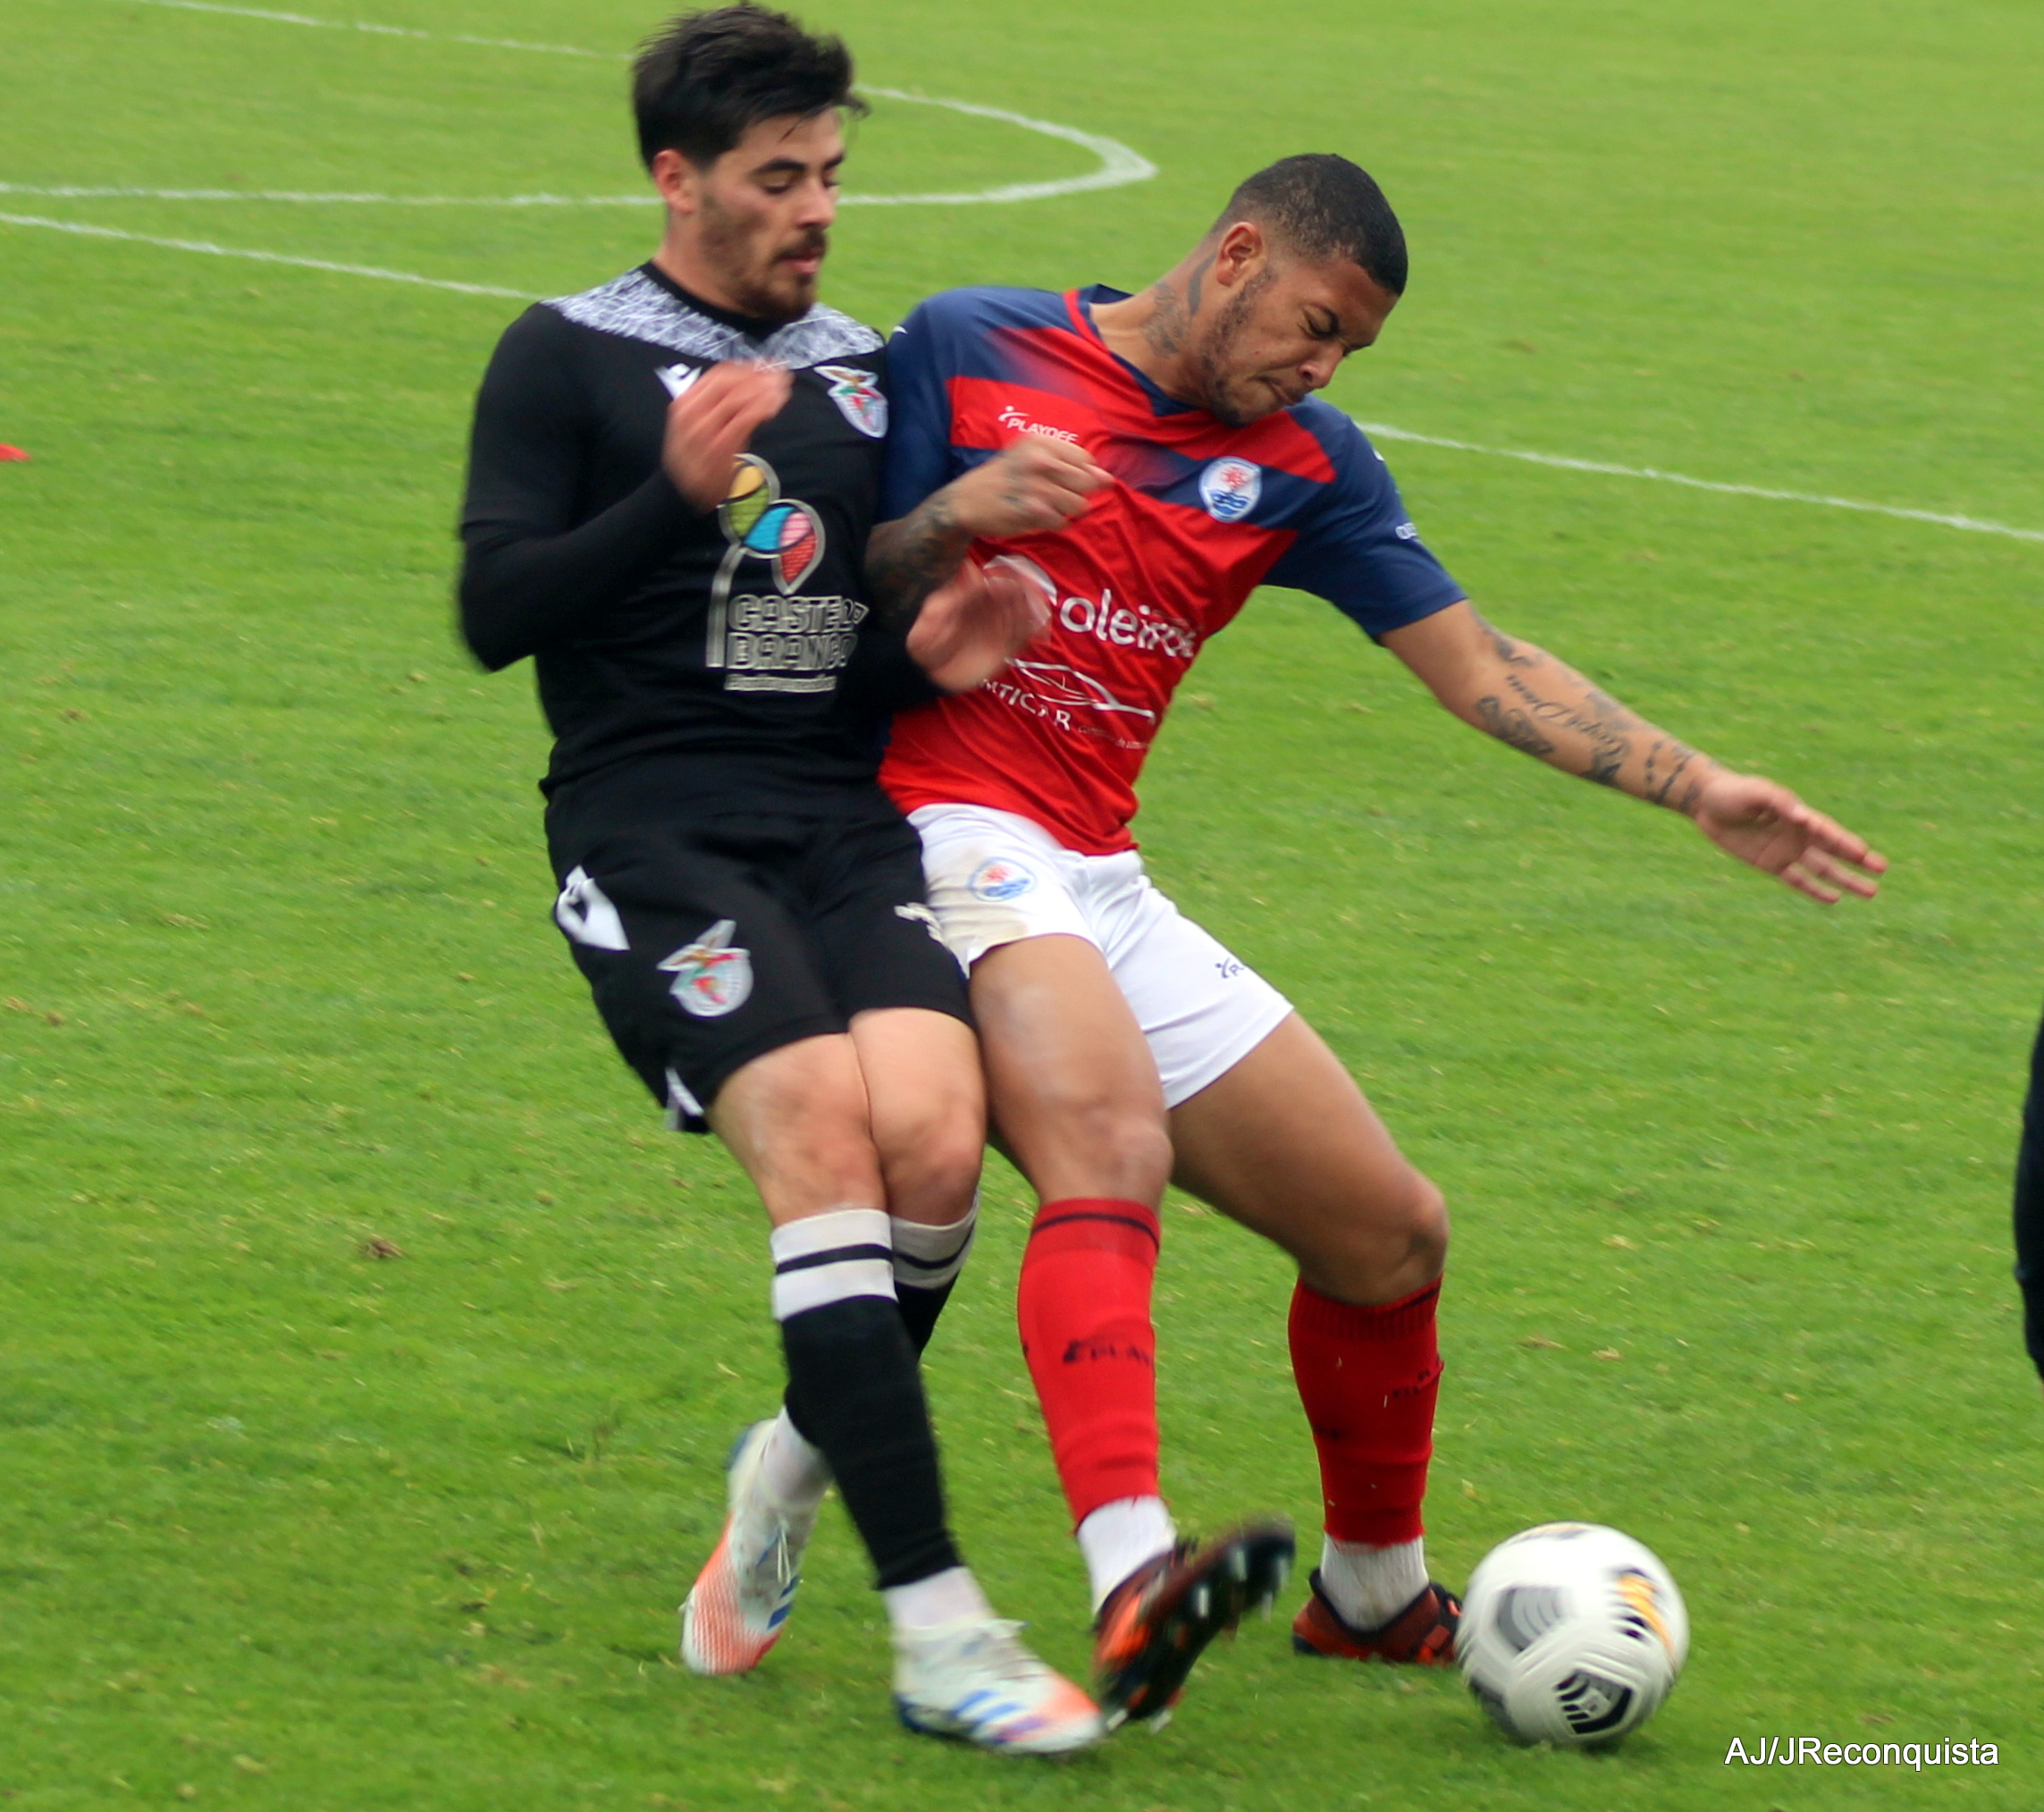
x=1153, y=458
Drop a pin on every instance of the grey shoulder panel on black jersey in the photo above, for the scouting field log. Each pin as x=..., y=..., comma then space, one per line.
x=635, y=307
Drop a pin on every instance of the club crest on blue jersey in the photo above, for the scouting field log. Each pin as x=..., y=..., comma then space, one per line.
x=1229, y=489
x=999, y=881
x=711, y=978
x=858, y=394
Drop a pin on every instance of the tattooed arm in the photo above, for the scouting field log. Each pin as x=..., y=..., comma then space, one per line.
x=1525, y=697
x=1032, y=485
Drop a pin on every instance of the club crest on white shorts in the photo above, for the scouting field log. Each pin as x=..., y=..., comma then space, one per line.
x=1000, y=880
x=710, y=977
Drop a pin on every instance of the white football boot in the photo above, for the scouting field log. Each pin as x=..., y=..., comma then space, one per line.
x=971, y=1680
x=740, y=1601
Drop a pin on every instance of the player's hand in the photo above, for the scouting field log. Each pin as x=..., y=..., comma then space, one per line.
x=974, y=624
x=1770, y=827
x=1034, y=485
x=712, y=422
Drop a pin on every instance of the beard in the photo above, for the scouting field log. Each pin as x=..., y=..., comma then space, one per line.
x=761, y=284
x=1231, y=398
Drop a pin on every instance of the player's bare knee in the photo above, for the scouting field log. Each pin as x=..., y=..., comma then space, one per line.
x=1425, y=1229
x=1390, y=1243
x=931, y=1164
x=1133, y=1150
x=1098, y=1146
x=1402, y=1240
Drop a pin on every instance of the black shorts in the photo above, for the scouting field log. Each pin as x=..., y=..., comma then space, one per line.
x=710, y=940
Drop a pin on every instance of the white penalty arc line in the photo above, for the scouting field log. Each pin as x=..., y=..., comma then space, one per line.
x=1972, y=525
x=1118, y=165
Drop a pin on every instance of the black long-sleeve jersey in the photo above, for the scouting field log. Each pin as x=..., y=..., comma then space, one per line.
x=726, y=655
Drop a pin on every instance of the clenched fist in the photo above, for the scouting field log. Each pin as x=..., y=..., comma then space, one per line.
x=712, y=422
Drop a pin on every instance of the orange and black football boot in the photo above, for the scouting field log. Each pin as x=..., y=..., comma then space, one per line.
x=1422, y=1634
x=1156, y=1623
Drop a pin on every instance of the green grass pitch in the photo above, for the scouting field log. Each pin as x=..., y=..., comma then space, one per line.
x=285, y=1525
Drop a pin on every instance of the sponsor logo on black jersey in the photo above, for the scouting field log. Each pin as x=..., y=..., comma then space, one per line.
x=777, y=640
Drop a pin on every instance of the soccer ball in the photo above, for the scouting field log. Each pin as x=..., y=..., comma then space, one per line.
x=1571, y=1633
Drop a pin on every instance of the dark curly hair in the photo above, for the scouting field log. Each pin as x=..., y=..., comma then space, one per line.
x=1324, y=208
x=705, y=80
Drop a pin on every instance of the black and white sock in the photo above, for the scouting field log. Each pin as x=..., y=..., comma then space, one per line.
x=928, y=1261
x=854, y=1392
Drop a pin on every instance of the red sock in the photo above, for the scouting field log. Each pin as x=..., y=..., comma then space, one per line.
x=1083, y=1308
x=1368, y=1378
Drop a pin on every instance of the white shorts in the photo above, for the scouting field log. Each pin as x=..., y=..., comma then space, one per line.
x=995, y=878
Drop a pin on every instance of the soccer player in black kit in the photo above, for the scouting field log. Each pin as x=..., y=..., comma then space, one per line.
x=672, y=479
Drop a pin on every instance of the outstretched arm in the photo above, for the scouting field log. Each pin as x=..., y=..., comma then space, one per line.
x=1523, y=695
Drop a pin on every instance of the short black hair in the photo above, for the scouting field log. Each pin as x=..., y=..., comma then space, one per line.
x=1324, y=207
x=705, y=80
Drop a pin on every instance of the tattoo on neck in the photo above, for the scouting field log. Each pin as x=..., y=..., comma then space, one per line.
x=1165, y=328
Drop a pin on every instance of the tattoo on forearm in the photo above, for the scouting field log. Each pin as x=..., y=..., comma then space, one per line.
x=1594, y=716
x=1668, y=765
x=1507, y=650
x=1609, y=709
x=1670, y=772
x=908, y=560
x=1511, y=725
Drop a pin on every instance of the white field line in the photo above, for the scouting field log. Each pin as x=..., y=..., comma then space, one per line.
x=1971, y=524
x=1382, y=430
x=1119, y=166
x=70, y=191
x=378, y=31
x=227, y=251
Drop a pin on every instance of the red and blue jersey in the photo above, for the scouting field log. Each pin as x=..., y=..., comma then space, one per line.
x=1201, y=515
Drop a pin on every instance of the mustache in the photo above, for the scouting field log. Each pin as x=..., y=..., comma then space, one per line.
x=811, y=243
